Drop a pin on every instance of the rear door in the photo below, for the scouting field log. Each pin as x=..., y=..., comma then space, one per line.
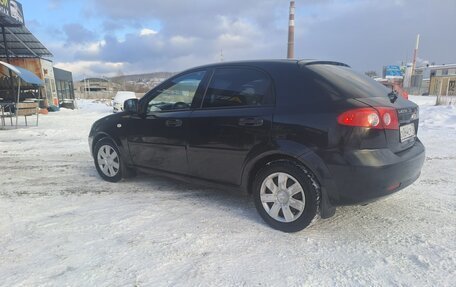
x=235, y=118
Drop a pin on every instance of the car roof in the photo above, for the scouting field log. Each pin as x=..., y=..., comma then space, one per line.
x=321, y=62
x=259, y=63
x=267, y=64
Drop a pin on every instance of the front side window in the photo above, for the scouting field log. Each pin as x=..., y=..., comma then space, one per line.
x=178, y=94
x=237, y=87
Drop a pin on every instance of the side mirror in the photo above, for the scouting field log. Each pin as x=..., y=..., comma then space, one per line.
x=131, y=106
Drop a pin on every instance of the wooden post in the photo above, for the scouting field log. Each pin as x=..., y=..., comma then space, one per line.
x=5, y=44
x=18, y=97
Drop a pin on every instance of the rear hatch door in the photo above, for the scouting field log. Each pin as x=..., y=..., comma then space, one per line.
x=340, y=82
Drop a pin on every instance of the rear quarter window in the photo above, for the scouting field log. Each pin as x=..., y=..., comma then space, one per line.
x=341, y=82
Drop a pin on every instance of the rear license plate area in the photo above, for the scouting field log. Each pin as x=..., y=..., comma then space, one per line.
x=407, y=132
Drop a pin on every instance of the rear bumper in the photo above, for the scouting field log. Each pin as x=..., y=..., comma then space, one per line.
x=367, y=175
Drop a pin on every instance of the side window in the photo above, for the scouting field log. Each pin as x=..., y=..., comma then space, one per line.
x=237, y=87
x=178, y=94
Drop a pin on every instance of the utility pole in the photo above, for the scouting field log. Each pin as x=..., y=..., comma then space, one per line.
x=86, y=87
x=415, y=54
x=291, y=31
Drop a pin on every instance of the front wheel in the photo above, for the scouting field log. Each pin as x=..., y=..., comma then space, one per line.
x=287, y=196
x=107, y=160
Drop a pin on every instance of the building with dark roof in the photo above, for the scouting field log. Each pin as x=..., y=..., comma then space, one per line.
x=64, y=85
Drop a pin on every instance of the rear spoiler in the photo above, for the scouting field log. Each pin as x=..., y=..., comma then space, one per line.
x=317, y=62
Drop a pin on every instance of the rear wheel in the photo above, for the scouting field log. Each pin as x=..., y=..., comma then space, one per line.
x=286, y=196
x=107, y=160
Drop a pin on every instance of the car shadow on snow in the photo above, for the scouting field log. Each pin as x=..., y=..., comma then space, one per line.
x=349, y=222
x=235, y=203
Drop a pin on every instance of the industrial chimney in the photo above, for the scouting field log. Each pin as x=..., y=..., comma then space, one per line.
x=291, y=31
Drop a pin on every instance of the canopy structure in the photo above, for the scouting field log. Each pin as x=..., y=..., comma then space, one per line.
x=19, y=42
x=15, y=39
x=24, y=74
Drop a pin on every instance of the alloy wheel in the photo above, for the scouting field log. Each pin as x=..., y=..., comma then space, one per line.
x=108, y=161
x=282, y=197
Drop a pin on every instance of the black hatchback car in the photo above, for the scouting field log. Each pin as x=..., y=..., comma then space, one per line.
x=301, y=136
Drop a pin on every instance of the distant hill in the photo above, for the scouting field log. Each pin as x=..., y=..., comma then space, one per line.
x=142, y=77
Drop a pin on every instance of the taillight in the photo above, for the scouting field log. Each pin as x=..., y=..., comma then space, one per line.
x=378, y=118
x=389, y=118
x=405, y=95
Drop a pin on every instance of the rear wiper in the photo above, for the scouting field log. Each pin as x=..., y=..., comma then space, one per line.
x=393, y=96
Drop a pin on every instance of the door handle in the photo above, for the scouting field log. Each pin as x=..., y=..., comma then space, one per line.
x=174, y=123
x=251, y=122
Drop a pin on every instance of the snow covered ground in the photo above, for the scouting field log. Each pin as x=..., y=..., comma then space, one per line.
x=61, y=225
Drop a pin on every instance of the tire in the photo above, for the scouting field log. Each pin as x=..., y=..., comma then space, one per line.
x=108, y=160
x=286, y=196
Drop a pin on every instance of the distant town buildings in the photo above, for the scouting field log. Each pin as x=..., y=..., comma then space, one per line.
x=96, y=85
x=438, y=80
x=107, y=87
x=435, y=80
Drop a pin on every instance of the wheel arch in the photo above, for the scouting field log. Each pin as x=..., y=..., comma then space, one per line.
x=254, y=167
x=124, y=152
x=100, y=137
x=309, y=160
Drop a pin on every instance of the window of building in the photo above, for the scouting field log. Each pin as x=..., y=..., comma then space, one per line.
x=66, y=88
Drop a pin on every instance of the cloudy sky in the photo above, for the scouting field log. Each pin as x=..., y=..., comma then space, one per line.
x=112, y=37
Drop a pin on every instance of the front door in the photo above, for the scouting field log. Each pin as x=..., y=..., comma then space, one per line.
x=157, y=137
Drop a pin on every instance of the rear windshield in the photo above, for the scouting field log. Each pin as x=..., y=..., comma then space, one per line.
x=342, y=82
